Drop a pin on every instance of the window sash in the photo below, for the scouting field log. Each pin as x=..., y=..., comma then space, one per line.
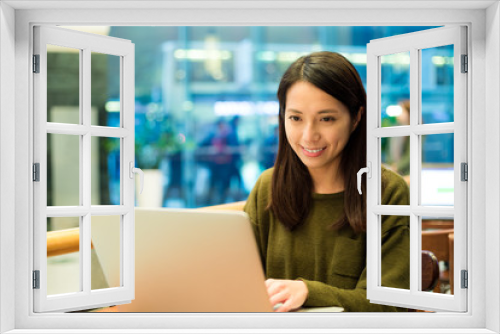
x=414, y=42
x=86, y=43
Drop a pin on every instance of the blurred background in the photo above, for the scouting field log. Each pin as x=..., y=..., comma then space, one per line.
x=206, y=120
x=206, y=108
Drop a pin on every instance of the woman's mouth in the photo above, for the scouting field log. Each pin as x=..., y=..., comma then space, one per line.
x=313, y=152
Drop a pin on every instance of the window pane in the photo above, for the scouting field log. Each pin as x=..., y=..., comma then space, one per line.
x=63, y=255
x=63, y=84
x=437, y=177
x=438, y=238
x=106, y=171
x=63, y=170
x=395, y=89
x=106, y=247
x=395, y=257
x=105, y=89
x=437, y=84
x=396, y=155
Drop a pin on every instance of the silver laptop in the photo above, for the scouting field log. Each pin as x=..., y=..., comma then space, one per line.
x=189, y=261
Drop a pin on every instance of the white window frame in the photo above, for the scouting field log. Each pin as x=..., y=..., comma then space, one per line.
x=86, y=43
x=413, y=43
x=483, y=20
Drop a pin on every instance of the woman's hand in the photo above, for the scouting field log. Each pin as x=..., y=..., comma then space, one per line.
x=291, y=294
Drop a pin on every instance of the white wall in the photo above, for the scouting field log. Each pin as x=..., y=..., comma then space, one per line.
x=492, y=147
x=7, y=160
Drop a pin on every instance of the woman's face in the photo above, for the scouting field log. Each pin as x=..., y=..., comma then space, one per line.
x=317, y=127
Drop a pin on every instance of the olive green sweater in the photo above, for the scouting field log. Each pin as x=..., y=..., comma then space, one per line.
x=332, y=263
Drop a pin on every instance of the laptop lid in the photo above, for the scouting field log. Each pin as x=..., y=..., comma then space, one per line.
x=189, y=261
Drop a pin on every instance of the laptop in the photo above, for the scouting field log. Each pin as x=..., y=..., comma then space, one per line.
x=188, y=261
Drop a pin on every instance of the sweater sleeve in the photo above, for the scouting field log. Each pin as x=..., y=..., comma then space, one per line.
x=354, y=300
x=395, y=259
x=254, y=207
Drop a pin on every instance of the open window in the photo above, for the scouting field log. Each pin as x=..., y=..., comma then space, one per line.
x=437, y=123
x=67, y=141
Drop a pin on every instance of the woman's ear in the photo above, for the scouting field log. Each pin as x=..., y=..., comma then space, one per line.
x=358, y=118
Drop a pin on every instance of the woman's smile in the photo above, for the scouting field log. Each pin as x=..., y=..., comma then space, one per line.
x=313, y=153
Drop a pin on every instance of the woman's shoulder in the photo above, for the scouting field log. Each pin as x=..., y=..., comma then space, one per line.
x=266, y=177
x=391, y=177
x=394, y=187
x=263, y=184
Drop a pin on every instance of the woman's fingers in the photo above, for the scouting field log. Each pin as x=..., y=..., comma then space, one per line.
x=285, y=307
x=279, y=297
x=290, y=294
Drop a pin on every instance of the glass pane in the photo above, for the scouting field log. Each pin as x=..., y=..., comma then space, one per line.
x=105, y=89
x=106, y=248
x=437, y=84
x=63, y=84
x=63, y=170
x=63, y=255
x=105, y=171
x=395, y=89
x=438, y=238
x=395, y=257
x=437, y=177
x=396, y=155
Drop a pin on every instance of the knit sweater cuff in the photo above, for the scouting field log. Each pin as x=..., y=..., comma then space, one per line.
x=317, y=296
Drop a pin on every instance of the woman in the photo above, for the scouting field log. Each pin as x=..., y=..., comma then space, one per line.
x=309, y=221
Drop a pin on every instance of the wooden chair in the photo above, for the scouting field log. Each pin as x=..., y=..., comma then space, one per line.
x=437, y=224
x=430, y=271
x=451, y=242
x=437, y=241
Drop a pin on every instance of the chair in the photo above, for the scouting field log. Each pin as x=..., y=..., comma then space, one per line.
x=430, y=271
x=437, y=241
x=437, y=224
x=451, y=241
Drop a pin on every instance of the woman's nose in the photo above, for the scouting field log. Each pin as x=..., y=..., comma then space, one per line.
x=311, y=133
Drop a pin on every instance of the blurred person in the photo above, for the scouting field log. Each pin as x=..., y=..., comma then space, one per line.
x=236, y=149
x=308, y=219
x=270, y=148
x=219, y=158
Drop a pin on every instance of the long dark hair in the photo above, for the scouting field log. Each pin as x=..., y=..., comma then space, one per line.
x=292, y=186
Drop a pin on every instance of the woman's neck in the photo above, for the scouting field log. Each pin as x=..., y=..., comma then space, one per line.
x=327, y=182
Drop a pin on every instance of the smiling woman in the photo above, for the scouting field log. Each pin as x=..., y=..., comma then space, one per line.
x=309, y=200
x=319, y=133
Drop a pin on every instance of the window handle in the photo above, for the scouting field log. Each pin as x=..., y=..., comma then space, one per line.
x=133, y=171
x=368, y=171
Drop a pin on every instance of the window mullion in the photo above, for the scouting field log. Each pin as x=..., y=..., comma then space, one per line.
x=85, y=178
x=415, y=165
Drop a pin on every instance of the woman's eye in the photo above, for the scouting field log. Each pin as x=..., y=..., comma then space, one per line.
x=328, y=119
x=294, y=118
